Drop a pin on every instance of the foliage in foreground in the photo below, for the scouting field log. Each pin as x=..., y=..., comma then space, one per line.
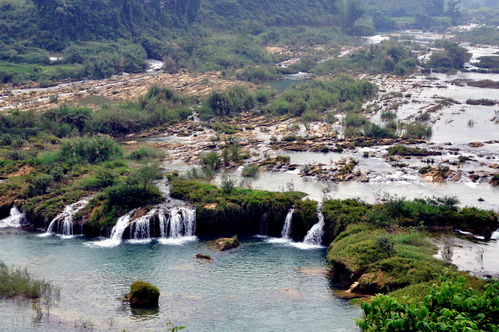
x=449, y=306
x=16, y=282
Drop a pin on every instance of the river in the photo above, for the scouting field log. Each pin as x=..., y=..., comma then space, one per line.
x=258, y=287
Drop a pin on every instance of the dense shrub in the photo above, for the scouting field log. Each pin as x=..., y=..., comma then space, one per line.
x=128, y=195
x=231, y=102
x=449, y=306
x=250, y=170
x=320, y=96
x=145, y=152
x=417, y=130
x=92, y=150
x=39, y=184
x=452, y=57
x=386, y=57
x=257, y=74
x=159, y=106
x=375, y=131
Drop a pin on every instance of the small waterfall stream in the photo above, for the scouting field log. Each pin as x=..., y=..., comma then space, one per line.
x=286, y=229
x=314, y=235
x=63, y=223
x=116, y=232
x=14, y=220
x=313, y=239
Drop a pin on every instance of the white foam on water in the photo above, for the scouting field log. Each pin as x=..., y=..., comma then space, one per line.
x=14, y=220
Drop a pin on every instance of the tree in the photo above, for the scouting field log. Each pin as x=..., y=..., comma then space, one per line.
x=454, y=11
x=349, y=12
x=145, y=176
x=435, y=7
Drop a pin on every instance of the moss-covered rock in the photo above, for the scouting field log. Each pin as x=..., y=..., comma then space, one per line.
x=368, y=259
x=227, y=243
x=397, y=272
x=143, y=294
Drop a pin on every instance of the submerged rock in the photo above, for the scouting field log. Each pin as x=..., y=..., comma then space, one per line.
x=143, y=294
x=227, y=243
x=202, y=256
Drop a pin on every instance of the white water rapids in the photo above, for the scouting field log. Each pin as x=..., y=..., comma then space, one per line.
x=14, y=220
x=63, y=223
x=177, y=225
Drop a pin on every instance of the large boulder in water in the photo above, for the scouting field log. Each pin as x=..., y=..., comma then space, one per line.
x=227, y=243
x=143, y=294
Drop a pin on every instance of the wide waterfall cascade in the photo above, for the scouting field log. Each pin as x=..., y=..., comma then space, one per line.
x=63, y=223
x=14, y=220
x=140, y=229
x=179, y=226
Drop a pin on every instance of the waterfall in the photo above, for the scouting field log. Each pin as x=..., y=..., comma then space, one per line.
x=179, y=227
x=63, y=222
x=286, y=229
x=140, y=229
x=313, y=239
x=314, y=235
x=14, y=219
x=116, y=232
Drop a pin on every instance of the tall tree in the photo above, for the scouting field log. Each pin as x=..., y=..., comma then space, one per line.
x=349, y=12
x=454, y=11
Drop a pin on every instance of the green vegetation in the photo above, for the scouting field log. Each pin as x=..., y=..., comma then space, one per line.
x=143, y=294
x=374, y=131
x=449, y=306
x=383, y=248
x=232, y=102
x=250, y=171
x=257, y=74
x=229, y=210
x=483, y=102
x=417, y=130
x=158, y=107
x=17, y=282
x=389, y=57
x=488, y=35
x=59, y=172
x=453, y=57
x=116, y=36
x=402, y=150
x=321, y=96
x=489, y=62
x=145, y=152
x=22, y=72
x=92, y=150
x=203, y=194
